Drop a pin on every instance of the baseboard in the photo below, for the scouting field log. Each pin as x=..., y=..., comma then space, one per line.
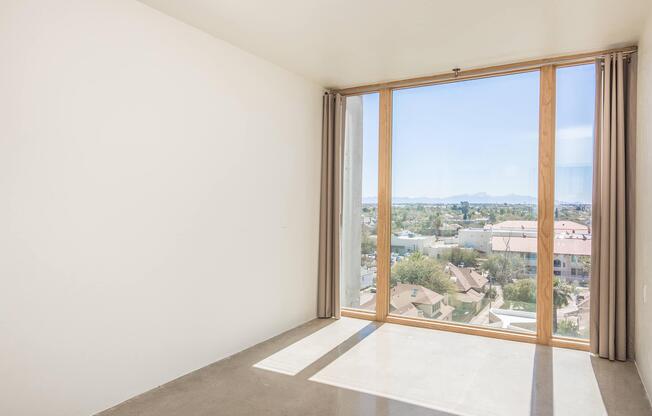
x=647, y=393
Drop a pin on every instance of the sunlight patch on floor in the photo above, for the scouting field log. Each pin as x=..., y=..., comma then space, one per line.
x=301, y=354
x=467, y=375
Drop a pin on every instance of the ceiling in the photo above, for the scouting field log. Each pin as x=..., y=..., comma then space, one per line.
x=341, y=43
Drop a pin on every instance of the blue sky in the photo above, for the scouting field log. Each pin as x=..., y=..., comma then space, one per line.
x=574, y=141
x=482, y=136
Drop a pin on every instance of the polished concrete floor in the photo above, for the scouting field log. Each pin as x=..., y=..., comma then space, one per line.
x=352, y=367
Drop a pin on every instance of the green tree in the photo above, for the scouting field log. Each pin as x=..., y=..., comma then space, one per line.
x=492, y=293
x=425, y=271
x=568, y=328
x=458, y=256
x=504, y=268
x=523, y=290
x=585, y=261
x=437, y=223
x=561, y=296
x=368, y=246
x=464, y=208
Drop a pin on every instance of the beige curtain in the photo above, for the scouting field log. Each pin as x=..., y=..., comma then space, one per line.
x=612, y=262
x=328, y=298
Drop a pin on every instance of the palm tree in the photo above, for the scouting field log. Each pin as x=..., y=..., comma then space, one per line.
x=561, y=296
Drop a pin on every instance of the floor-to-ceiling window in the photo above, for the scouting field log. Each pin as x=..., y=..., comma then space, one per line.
x=359, y=203
x=467, y=203
x=464, y=202
x=573, y=198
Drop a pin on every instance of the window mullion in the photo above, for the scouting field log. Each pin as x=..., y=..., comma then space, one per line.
x=546, y=204
x=383, y=253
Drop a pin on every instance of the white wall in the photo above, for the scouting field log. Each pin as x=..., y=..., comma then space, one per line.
x=154, y=183
x=644, y=210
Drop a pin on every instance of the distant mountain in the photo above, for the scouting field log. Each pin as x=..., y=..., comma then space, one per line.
x=479, y=198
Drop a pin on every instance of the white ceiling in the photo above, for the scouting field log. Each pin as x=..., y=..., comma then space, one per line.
x=339, y=43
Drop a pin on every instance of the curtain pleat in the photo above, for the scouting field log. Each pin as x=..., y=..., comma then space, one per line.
x=328, y=299
x=612, y=250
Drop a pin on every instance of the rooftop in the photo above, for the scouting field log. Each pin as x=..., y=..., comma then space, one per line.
x=572, y=246
x=466, y=278
x=406, y=235
x=404, y=293
x=560, y=226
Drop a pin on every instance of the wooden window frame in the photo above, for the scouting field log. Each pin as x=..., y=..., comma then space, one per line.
x=547, y=68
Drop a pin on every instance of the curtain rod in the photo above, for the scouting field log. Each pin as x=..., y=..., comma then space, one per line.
x=458, y=74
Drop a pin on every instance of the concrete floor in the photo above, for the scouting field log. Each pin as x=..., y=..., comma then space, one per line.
x=396, y=370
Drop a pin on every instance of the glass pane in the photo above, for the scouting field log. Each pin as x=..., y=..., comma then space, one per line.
x=359, y=203
x=464, y=202
x=573, y=196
